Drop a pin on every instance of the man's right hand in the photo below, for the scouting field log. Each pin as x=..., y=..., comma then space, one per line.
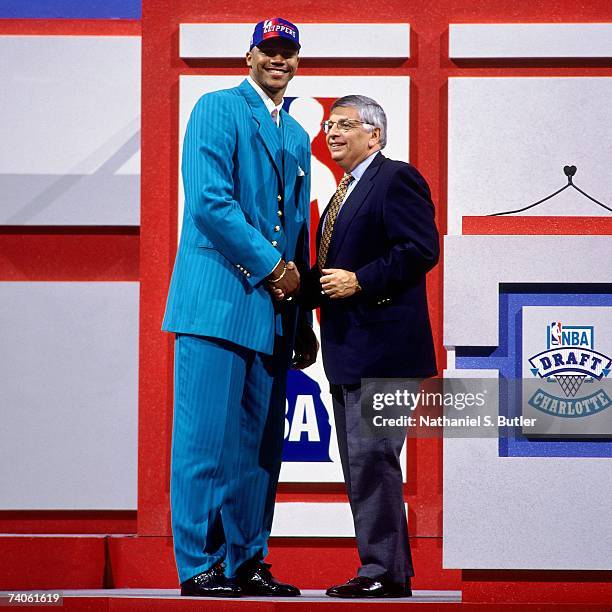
x=288, y=283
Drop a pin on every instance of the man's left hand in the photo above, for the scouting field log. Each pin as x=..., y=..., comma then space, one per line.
x=338, y=283
x=306, y=347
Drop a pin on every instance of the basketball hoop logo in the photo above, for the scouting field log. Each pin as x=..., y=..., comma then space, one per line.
x=570, y=360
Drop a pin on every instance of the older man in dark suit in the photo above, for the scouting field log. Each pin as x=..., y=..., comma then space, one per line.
x=376, y=241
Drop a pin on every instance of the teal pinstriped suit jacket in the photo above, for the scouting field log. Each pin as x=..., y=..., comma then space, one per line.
x=236, y=162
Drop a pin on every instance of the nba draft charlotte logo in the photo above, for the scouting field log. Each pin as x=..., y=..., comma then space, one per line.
x=570, y=359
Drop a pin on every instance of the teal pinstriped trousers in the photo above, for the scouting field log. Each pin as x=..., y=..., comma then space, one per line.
x=229, y=410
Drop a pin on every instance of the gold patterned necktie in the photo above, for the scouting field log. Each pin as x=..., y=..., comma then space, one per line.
x=330, y=220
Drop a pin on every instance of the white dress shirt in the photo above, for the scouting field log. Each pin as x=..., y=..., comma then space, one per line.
x=266, y=99
x=357, y=172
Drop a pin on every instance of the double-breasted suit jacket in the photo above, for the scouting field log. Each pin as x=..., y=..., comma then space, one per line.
x=247, y=203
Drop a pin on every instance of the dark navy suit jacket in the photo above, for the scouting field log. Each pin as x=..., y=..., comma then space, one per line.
x=386, y=234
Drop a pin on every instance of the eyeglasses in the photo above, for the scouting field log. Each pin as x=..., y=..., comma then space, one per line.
x=344, y=125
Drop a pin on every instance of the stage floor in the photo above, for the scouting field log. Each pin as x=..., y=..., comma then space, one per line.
x=307, y=596
x=152, y=600
x=161, y=600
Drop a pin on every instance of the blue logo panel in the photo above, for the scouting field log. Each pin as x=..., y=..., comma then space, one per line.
x=507, y=359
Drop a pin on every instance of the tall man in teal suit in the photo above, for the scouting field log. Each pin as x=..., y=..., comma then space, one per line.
x=246, y=172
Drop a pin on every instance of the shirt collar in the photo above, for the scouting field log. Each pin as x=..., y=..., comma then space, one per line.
x=358, y=171
x=265, y=97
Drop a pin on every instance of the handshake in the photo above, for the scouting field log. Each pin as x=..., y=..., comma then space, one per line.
x=284, y=282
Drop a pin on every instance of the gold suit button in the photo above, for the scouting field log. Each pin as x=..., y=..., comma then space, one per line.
x=279, y=213
x=277, y=228
x=274, y=243
x=279, y=197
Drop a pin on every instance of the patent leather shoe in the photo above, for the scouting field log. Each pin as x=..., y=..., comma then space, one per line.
x=362, y=586
x=255, y=578
x=211, y=583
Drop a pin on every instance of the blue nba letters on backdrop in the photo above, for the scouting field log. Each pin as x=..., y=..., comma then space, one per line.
x=70, y=9
x=307, y=427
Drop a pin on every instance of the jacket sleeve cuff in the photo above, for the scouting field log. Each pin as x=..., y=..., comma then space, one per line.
x=264, y=269
x=366, y=278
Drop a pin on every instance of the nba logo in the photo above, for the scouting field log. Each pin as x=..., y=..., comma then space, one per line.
x=554, y=334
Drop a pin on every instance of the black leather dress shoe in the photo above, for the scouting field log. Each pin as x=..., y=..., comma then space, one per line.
x=211, y=583
x=255, y=578
x=362, y=586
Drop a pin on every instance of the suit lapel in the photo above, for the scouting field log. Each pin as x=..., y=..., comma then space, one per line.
x=289, y=152
x=320, y=228
x=352, y=205
x=267, y=131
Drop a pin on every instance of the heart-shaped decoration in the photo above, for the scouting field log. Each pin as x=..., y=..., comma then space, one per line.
x=569, y=170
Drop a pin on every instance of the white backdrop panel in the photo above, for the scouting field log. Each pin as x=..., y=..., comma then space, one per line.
x=524, y=512
x=70, y=125
x=474, y=266
x=391, y=40
x=529, y=40
x=393, y=94
x=509, y=139
x=517, y=512
x=314, y=520
x=68, y=395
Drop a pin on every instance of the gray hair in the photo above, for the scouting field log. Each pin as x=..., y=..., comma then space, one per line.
x=370, y=112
